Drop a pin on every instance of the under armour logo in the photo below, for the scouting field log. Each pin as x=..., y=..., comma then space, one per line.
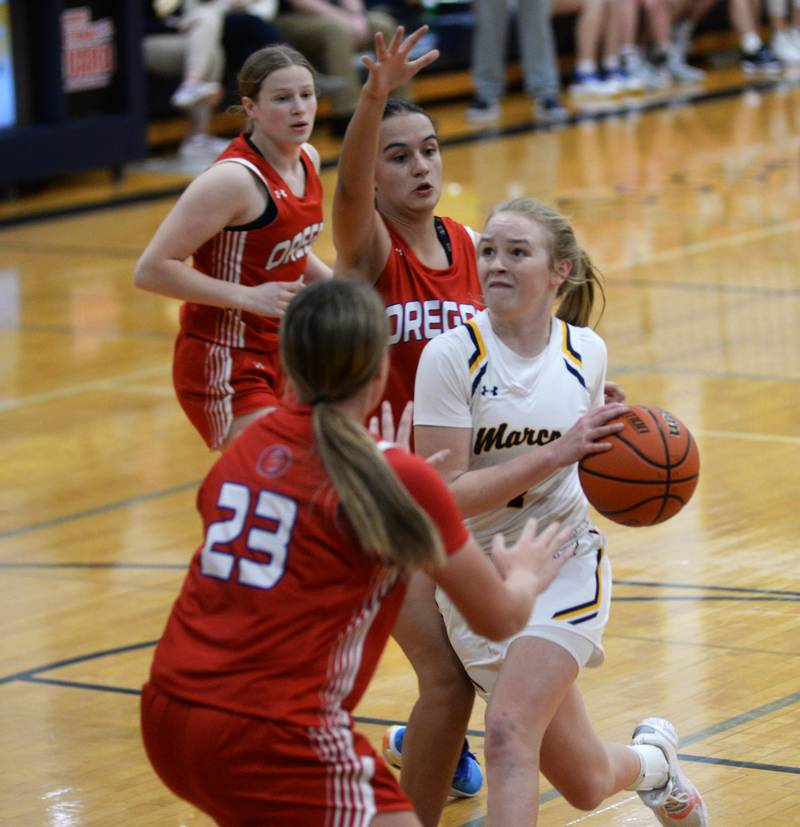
x=487, y=391
x=280, y=193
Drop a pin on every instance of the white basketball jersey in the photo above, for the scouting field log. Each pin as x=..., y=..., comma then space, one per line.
x=467, y=378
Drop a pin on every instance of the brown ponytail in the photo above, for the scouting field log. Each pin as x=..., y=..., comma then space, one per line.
x=333, y=338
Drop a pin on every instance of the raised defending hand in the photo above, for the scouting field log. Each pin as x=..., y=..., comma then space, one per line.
x=538, y=556
x=391, y=67
x=272, y=298
x=383, y=428
x=587, y=434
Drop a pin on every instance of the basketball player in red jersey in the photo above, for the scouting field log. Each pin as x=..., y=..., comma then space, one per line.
x=248, y=222
x=385, y=228
x=311, y=528
x=425, y=267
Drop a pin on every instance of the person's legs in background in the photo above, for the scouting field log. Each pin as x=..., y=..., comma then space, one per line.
x=489, y=43
x=539, y=61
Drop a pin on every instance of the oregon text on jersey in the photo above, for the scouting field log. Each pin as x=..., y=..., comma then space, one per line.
x=500, y=437
x=291, y=249
x=425, y=320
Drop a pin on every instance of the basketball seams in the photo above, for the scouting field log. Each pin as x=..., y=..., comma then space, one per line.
x=667, y=467
x=618, y=480
x=601, y=476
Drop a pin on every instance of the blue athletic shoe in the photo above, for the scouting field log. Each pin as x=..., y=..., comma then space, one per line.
x=468, y=777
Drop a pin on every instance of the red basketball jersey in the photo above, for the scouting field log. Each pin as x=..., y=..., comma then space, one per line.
x=281, y=615
x=274, y=247
x=422, y=302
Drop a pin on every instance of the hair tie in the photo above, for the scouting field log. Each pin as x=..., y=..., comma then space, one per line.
x=322, y=399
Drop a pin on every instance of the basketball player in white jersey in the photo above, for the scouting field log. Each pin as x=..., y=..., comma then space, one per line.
x=516, y=397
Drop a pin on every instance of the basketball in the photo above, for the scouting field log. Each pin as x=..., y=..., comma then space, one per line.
x=649, y=474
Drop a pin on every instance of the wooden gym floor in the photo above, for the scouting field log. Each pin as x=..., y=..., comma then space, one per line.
x=691, y=208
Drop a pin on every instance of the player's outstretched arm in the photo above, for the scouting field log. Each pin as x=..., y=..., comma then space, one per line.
x=361, y=239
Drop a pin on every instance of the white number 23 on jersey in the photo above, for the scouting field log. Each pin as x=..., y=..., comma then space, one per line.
x=277, y=509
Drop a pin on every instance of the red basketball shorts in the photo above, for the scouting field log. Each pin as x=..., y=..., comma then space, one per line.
x=245, y=772
x=215, y=383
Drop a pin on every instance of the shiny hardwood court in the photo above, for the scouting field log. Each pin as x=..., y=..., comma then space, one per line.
x=692, y=210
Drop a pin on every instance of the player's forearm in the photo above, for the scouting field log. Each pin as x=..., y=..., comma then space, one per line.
x=178, y=280
x=485, y=489
x=354, y=198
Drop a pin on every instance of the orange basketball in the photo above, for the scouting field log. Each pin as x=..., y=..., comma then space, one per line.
x=649, y=474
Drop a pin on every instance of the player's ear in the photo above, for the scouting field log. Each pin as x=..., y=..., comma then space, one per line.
x=561, y=271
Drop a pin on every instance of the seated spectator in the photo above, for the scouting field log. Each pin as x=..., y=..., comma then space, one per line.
x=755, y=56
x=597, y=36
x=248, y=25
x=665, y=64
x=332, y=34
x=184, y=40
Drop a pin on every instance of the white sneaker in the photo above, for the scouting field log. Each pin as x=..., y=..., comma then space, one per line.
x=192, y=92
x=678, y=802
x=202, y=146
x=593, y=85
x=680, y=70
x=783, y=45
x=483, y=111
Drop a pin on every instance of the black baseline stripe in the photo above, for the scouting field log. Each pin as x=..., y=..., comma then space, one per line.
x=98, y=687
x=654, y=584
x=60, y=664
x=727, y=762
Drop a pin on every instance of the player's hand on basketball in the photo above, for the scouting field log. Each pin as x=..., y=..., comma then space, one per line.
x=540, y=555
x=272, y=298
x=613, y=392
x=587, y=434
x=392, y=67
x=383, y=427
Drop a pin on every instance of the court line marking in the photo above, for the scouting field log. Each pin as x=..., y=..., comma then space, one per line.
x=33, y=676
x=713, y=434
x=656, y=585
x=722, y=726
x=699, y=247
x=78, y=330
x=100, y=509
x=702, y=373
x=83, y=387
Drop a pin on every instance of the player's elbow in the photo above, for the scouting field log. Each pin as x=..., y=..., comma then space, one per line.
x=143, y=274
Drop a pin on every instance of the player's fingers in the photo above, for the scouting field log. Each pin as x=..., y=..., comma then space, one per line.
x=413, y=39
x=528, y=531
x=426, y=60
x=374, y=428
x=380, y=46
x=438, y=459
x=397, y=39
x=404, y=425
x=387, y=420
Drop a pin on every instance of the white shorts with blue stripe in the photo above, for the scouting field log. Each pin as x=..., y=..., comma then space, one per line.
x=572, y=613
